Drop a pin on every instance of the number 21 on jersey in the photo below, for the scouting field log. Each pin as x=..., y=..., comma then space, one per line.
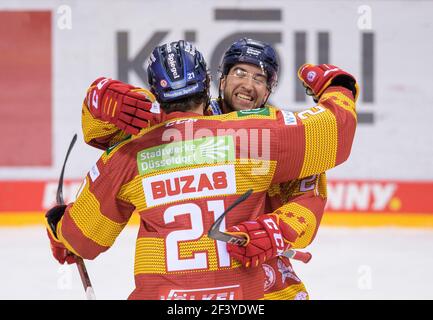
x=199, y=260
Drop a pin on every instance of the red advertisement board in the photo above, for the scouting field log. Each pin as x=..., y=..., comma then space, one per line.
x=25, y=79
x=350, y=202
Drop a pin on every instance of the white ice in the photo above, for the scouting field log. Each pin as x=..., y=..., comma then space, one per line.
x=348, y=263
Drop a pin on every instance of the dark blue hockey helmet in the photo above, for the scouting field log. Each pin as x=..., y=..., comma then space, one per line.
x=254, y=52
x=176, y=70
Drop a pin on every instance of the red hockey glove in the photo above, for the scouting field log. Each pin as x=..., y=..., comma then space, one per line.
x=59, y=251
x=316, y=78
x=127, y=107
x=265, y=241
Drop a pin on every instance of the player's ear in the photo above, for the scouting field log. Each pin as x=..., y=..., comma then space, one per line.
x=222, y=83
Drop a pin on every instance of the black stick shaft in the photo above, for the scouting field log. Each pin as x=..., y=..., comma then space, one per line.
x=59, y=194
x=85, y=279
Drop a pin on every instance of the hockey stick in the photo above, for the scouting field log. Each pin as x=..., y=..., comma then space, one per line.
x=85, y=279
x=216, y=234
x=59, y=194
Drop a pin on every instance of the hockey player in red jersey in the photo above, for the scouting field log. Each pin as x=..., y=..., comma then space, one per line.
x=249, y=72
x=197, y=254
x=248, y=75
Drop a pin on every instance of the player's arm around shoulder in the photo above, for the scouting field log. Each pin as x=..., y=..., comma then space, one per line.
x=334, y=90
x=321, y=137
x=97, y=133
x=112, y=110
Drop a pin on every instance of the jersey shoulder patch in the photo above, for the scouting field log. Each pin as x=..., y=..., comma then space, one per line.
x=254, y=112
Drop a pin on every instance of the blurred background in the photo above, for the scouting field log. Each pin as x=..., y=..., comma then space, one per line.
x=376, y=237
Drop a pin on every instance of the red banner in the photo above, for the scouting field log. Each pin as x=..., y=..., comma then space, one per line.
x=26, y=196
x=380, y=196
x=343, y=196
x=25, y=81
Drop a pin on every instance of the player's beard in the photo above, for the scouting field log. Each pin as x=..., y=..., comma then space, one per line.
x=233, y=101
x=226, y=106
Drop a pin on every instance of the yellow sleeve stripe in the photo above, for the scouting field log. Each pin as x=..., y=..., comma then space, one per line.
x=92, y=223
x=95, y=128
x=319, y=145
x=302, y=220
x=63, y=240
x=342, y=100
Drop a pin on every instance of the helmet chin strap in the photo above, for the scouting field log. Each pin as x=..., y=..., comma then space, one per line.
x=207, y=85
x=266, y=100
x=219, y=89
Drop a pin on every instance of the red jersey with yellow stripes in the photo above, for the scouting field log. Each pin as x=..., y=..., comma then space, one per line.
x=182, y=174
x=300, y=205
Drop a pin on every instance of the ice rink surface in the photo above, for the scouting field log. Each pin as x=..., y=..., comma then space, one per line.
x=374, y=263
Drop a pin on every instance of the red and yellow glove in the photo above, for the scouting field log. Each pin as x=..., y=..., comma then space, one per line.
x=264, y=240
x=317, y=78
x=128, y=108
x=59, y=251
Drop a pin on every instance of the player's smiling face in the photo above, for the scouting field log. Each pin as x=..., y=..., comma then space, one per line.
x=245, y=87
